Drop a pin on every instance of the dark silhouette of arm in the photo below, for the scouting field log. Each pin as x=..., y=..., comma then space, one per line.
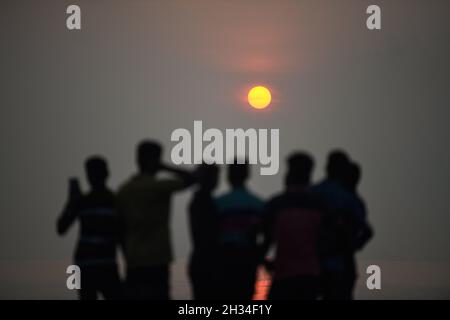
x=267, y=231
x=186, y=176
x=365, y=233
x=120, y=225
x=67, y=218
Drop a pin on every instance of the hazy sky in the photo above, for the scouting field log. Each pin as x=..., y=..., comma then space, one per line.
x=140, y=69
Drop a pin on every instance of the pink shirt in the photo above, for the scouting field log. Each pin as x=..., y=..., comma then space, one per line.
x=296, y=235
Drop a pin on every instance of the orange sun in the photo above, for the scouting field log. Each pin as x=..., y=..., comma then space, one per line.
x=259, y=97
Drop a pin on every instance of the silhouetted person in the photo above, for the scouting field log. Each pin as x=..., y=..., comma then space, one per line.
x=293, y=224
x=342, y=214
x=362, y=232
x=99, y=233
x=240, y=214
x=144, y=208
x=204, y=232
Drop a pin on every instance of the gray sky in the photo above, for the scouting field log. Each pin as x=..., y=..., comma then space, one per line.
x=141, y=69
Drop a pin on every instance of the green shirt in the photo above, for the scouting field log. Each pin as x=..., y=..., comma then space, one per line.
x=144, y=206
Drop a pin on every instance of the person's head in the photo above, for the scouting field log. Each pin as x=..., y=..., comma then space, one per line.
x=208, y=176
x=300, y=166
x=352, y=176
x=96, y=172
x=149, y=156
x=337, y=165
x=238, y=173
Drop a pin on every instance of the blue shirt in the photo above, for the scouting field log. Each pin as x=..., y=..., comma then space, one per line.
x=240, y=215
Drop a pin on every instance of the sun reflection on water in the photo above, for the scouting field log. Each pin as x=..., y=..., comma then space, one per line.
x=262, y=284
